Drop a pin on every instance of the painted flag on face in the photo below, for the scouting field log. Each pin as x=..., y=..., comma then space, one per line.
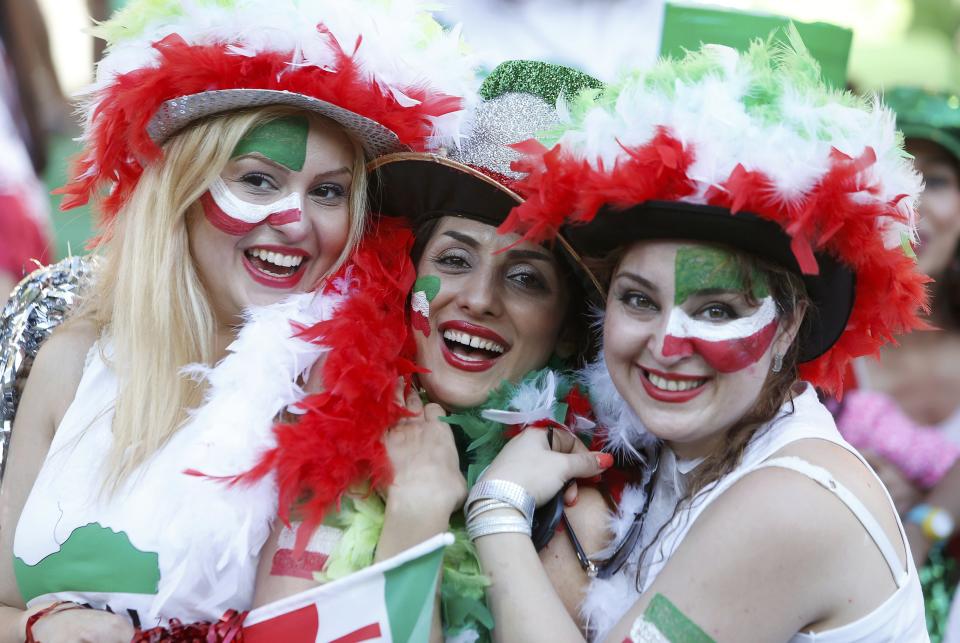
x=391, y=601
x=729, y=345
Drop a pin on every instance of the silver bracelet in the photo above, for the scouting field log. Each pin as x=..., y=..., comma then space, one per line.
x=484, y=505
x=505, y=491
x=500, y=525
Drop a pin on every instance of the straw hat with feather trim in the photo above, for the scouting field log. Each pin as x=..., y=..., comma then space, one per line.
x=383, y=69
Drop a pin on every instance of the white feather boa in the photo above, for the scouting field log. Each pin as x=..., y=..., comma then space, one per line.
x=607, y=600
x=223, y=437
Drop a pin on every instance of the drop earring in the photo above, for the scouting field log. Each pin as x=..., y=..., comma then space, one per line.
x=777, y=362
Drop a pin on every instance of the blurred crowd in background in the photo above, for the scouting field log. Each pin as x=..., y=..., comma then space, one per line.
x=903, y=411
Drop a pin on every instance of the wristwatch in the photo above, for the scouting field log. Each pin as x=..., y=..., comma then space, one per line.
x=937, y=524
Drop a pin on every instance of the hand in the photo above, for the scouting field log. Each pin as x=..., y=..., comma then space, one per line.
x=528, y=461
x=903, y=492
x=426, y=465
x=77, y=625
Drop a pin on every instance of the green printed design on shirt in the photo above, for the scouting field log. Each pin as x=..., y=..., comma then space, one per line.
x=672, y=623
x=92, y=559
x=699, y=268
x=282, y=140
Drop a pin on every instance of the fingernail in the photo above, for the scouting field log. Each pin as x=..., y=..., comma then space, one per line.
x=604, y=460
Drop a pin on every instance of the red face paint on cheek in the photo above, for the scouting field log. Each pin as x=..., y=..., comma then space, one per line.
x=725, y=356
x=233, y=226
x=221, y=220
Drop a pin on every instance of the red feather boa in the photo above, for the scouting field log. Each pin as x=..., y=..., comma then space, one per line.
x=337, y=442
x=119, y=145
x=891, y=293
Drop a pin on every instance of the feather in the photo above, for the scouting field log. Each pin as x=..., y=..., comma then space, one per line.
x=337, y=441
x=408, y=74
x=621, y=430
x=756, y=132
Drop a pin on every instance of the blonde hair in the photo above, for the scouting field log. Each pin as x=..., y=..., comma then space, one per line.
x=148, y=298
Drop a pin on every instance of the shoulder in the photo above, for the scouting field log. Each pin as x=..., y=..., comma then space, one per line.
x=58, y=367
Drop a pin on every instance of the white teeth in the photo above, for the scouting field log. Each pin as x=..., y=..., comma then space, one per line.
x=664, y=384
x=276, y=258
x=473, y=341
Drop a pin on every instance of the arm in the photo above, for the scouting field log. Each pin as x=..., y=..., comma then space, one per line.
x=48, y=392
x=589, y=518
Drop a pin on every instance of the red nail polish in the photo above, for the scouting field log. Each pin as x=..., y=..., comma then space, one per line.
x=604, y=460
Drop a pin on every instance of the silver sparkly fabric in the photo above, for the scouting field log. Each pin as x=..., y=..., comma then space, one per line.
x=177, y=113
x=37, y=305
x=502, y=121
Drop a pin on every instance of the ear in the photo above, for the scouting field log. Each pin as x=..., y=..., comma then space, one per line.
x=787, y=332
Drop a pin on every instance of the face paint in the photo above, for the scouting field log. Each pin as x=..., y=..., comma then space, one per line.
x=725, y=346
x=663, y=621
x=282, y=140
x=231, y=214
x=424, y=290
x=286, y=563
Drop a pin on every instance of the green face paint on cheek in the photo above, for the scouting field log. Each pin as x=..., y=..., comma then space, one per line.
x=282, y=140
x=702, y=268
x=667, y=621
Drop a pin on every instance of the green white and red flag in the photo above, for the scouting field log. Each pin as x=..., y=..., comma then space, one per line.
x=391, y=601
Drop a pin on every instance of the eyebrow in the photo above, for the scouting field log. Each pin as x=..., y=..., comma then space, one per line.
x=529, y=254
x=638, y=279
x=320, y=175
x=463, y=238
x=709, y=292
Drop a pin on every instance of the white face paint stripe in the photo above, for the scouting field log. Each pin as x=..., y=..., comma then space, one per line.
x=682, y=325
x=252, y=213
x=420, y=304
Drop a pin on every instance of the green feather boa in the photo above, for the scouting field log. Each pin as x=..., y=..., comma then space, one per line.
x=463, y=583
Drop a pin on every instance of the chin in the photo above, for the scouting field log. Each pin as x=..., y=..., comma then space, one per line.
x=454, y=392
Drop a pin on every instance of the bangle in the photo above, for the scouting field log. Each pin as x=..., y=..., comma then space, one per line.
x=504, y=525
x=504, y=491
x=485, y=505
x=59, y=606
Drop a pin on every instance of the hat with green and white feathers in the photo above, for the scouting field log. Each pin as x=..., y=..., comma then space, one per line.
x=754, y=151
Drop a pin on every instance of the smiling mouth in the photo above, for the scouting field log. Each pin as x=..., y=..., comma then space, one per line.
x=275, y=264
x=666, y=383
x=471, y=347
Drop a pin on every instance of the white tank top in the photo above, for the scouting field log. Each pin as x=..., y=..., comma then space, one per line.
x=125, y=552
x=898, y=619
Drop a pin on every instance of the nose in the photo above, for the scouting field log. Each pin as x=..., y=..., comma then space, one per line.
x=290, y=222
x=479, y=295
x=672, y=345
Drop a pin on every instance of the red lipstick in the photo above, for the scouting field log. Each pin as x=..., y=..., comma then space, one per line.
x=272, y=281
x=469, y=365
x=675, y=397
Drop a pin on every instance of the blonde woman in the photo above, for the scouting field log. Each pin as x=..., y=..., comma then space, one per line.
x=226, y=143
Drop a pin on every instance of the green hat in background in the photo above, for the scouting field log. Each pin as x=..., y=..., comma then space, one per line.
x=686, y=28
x=517, y=102
x=933, y=116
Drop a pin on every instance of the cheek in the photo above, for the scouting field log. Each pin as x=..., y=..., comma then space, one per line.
x=331, y=231
x=538, y=326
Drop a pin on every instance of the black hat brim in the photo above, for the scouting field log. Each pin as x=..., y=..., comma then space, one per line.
x=831, y=292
